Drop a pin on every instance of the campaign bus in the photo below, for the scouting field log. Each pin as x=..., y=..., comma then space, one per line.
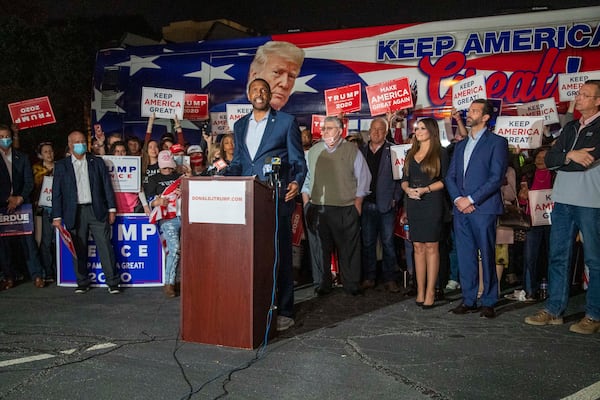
x=519, y=57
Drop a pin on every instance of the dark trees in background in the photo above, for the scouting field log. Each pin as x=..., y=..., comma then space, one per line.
x=56, y=59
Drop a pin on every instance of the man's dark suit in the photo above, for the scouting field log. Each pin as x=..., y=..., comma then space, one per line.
x=477, y=231
x=22, y=185
x=281, y=138
x=64, y=205
x=378, y=218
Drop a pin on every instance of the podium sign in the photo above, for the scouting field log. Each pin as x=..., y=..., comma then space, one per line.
x=227, y=268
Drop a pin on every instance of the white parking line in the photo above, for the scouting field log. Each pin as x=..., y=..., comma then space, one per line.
x=101, y=346
x=25, y=360
x=591, y=392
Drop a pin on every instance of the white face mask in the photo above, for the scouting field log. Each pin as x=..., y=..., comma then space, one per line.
x=331, y=141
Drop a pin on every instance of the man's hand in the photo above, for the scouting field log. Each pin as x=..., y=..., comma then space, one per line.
x=57, y=222
x=111, y=217
x=358, y=204
x=292, y=191
x=582, y=156
x=463, y=204
x=13, y=202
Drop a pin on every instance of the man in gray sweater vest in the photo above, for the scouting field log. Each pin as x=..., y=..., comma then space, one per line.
x=337, y=181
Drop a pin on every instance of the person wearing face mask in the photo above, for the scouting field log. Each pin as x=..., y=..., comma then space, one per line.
x=83, y=200
x=258, y=136
x=41, y=169
x=337, y=181
x=16, y=185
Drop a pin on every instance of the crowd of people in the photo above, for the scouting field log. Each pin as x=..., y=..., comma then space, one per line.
x=449, y=198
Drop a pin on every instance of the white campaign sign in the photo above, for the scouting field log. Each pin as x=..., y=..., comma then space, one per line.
x=569, y=84
x=217, y=202
x=541, y=206
x=525, y=132
x=399, y=152
x=124, y=173
x=235, y=112
x=467, y=90
x=164, y=103
x=45, y=199
x=545, y=108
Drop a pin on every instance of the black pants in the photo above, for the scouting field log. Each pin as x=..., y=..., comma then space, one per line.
x=85, y=223
x=335, y=228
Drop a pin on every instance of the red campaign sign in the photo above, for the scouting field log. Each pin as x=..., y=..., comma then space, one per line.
x=389, y=96
x=345, y=99
x=297, y=225
x=195, y=107
x=317, y=124
x=32, y=113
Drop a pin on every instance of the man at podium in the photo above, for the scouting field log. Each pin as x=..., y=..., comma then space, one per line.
x=268, y=145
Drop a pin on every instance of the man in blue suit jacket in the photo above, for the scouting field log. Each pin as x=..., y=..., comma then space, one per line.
x=16, y=185
x=474, y=179
x=83, y=199
x=379, y=209
x=267, y=133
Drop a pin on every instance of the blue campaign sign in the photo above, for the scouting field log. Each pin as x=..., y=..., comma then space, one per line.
x=138, y=252
x=16, y=223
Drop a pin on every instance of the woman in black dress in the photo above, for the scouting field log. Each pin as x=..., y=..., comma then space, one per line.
x=425, y=167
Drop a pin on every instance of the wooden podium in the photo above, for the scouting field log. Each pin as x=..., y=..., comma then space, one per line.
x=226, y=269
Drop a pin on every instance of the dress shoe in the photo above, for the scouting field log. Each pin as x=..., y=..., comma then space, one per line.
x=367, y=284
x=391, y=286
x=487, y=312
x=464, y=309
x=322, y=291
x=8, y=284
x=39, y=283
x=419, y=303
x=428, y=306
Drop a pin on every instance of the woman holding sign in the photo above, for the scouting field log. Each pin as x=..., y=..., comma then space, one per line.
x=540, y=179
x=42, y=180
x=423, y=182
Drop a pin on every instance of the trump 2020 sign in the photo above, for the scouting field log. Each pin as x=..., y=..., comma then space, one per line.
x=138, y=252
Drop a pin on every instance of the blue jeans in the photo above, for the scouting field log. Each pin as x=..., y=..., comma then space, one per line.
x=171, y=229
x=374, y=224
x=533, y=243
x=567, y=220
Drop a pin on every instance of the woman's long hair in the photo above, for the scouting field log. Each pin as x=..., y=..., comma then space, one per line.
x=431, y=164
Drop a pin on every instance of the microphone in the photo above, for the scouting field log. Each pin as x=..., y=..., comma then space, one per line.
x=276, y=165
x=215, y=168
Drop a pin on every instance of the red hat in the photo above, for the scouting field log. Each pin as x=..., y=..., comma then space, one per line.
x=177, y=148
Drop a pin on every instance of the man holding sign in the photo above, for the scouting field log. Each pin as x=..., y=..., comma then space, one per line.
x=83, y=199
x=576, y=196
x=16, y=184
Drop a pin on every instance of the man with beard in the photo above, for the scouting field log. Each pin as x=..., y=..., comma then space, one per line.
x=266, y=134
x=473, y=181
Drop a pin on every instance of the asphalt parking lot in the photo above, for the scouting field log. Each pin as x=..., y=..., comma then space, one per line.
x=58, y=345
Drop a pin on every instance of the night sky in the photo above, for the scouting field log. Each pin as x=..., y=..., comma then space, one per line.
x=272, y=16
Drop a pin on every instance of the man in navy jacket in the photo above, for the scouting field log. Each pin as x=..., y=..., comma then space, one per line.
x=16, y=185
x=83, y=200
x=473, y=181
x=379, y=209
x=266, y=133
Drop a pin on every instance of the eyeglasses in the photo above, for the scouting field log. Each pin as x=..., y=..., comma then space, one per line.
x=584, y=95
